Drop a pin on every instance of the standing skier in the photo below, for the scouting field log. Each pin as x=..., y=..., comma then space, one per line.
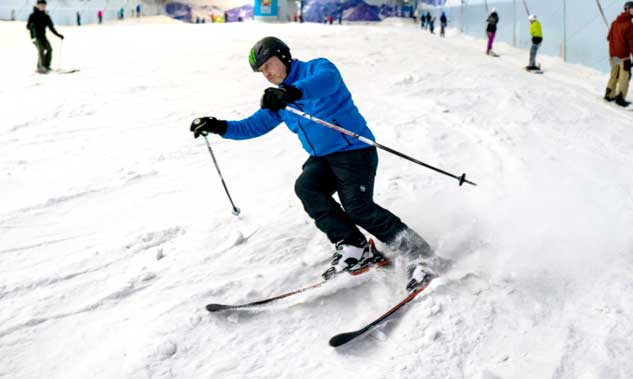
x=537, y=37
x=491, y=30
x=620, y=50
x=443, y=23
x=336, y=163
x=37, y=24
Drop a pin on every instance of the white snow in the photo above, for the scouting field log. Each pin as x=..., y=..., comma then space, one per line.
x=115, y=230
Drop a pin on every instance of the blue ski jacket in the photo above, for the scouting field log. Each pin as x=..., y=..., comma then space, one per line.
x=325, y=96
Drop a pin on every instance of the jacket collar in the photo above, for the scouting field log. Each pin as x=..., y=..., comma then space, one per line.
x=292, y=75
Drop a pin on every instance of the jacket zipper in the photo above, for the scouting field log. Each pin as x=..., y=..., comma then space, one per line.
x=304, y=132
x=343, y=135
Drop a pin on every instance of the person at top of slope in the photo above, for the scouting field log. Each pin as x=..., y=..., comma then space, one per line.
x=336, y=162
x=37, y=24
x=491, y=30
x=536, y=32
x=620, y=51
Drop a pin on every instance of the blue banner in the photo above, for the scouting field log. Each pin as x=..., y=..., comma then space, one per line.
x=265, y=8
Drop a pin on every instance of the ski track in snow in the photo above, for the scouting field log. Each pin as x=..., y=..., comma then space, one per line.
x=115, y=230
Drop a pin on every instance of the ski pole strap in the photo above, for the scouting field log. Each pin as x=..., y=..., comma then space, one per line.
x=462, y=179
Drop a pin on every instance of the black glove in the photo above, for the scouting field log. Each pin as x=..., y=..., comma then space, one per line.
x=205, y=125
x=277, y=98
x=61, y=36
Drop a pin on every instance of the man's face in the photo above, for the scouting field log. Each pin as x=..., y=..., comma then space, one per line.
x=41, y=7
x=273, y=70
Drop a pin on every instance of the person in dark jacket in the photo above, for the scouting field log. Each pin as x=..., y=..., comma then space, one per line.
x=491, y=30
x=620, y=51
x=336, y=163
x=37, y=24
x=443, y=23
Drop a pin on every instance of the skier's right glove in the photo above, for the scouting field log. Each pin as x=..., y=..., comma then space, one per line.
x=205, y=125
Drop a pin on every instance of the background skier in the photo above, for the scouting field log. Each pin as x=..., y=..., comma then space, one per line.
x=491, y=29
x=620, y=50
x=336, y=163
x=443, y=23
x=537, y=37
x=37, y=24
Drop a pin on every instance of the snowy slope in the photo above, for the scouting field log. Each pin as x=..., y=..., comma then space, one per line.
x=115, y=230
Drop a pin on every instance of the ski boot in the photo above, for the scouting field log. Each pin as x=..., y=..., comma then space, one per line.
x=607, y=96
x=621, y=102
x=419, y=275
x=354, y=259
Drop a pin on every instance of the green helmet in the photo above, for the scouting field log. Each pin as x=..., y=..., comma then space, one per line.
x=266, y=48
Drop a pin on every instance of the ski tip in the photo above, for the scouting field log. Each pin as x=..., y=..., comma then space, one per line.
x=216, y=307
x=341, y=339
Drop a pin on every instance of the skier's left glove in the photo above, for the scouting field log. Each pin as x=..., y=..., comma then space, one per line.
x=205, y=125
x=277, y=98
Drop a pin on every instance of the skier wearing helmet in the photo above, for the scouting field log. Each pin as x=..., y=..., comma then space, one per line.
x=336, y=162
x=536, y=32
x=620, y=50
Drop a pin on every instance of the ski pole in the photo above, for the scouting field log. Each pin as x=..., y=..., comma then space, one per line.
x=236, y=210
x=61, y=46
x=461, y=179
x=604, y=18
x=527, y=11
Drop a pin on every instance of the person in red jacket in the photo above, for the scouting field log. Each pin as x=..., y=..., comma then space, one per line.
x=620, y=50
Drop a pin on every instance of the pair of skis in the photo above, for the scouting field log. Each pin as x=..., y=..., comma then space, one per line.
x=342, y=338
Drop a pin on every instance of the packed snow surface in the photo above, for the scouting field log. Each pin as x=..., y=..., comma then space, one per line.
x=115, y=230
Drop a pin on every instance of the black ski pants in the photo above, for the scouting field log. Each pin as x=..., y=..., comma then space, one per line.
x=351, y=174
x=45, y=54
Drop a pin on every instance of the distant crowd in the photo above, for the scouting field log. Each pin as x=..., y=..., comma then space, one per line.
x=620, y=40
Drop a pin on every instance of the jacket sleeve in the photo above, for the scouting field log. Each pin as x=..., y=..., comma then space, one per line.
x=29, y=26
x=324, y=81
x=260, y=123
x=52, y=27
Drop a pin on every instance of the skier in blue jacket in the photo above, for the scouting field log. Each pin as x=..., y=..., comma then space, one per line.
x=337, y=163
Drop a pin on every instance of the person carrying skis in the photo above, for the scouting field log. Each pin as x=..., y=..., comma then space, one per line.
x=537, y=37
x=491, y=29
x=336, y=162
x=620, y=51
x=36, y=25
x=443, y=23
